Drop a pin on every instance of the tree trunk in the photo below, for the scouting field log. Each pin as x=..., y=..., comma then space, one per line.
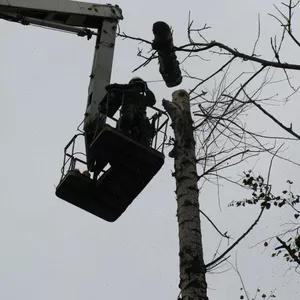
x=192, y=269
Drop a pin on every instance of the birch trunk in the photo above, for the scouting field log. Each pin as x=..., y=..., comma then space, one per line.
x=192, y=269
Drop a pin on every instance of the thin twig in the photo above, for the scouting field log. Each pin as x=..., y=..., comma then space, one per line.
x=213, y=224
x=125, y=36
x=258, y=36
x=211, y=76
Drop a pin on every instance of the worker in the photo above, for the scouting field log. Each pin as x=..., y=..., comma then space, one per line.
x=134, y=121
x=133, y=98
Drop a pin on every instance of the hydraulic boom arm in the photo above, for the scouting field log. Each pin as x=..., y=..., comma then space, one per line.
x=80, y=18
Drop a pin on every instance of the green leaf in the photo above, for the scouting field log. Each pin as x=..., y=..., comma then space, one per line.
x=284, y=192
x=296, y=216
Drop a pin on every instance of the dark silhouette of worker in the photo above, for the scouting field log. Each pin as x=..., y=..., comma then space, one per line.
x=133, y=118
x=133, y=98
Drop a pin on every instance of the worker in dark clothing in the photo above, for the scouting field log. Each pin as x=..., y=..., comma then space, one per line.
x=134, y=121
x=110, y=104
x=112, y=100
x=133, y=98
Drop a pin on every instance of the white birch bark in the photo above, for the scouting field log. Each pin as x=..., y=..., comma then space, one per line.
x=192, y=269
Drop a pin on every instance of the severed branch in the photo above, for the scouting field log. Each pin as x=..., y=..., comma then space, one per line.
x=194, y=47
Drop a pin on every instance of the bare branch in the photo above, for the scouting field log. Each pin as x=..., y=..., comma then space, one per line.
x=212, y=75
x=213, y=224
x=235, y=53
x=288, y=129
x=212, y=263
x=222, y=162
x=288, y=25
x=148, y=60
x=125, y=36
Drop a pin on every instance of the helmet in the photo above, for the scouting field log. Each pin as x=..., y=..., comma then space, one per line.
x=139, y=82
x=136, y=79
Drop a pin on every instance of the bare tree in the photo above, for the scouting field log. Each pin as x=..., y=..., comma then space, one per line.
x=192, y=269
x=212, y=134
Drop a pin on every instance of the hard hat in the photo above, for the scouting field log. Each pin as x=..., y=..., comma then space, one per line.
x=135, y=79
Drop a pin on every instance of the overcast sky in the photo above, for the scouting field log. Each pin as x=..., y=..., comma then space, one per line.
x=52, y=250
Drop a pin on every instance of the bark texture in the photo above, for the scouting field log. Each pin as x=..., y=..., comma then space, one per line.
x=192, y=269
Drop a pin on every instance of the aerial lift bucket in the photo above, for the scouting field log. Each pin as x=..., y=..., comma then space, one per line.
x=127, y=166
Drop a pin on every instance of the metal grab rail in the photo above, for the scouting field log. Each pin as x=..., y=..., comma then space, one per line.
x=69, y=157
x=160, y=128
x=125, y=88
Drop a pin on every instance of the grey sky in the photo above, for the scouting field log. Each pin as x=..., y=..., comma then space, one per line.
x=52, y=250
